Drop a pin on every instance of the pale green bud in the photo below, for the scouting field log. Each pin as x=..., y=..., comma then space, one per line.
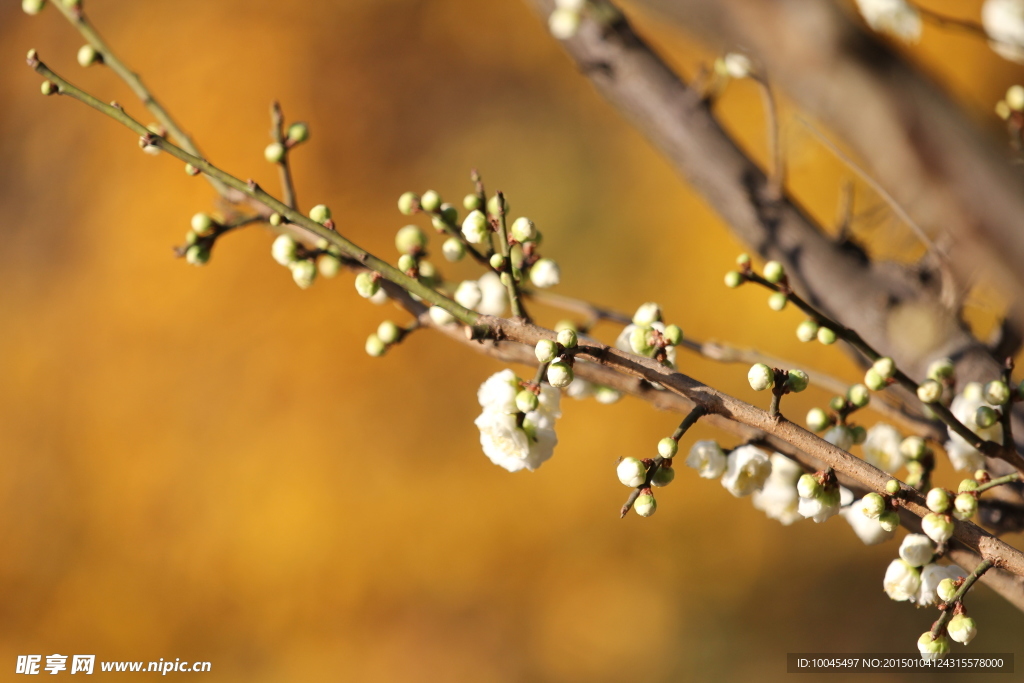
x=885, y=367
x=430, y=201
x=997, y=393
x=837, y=403
x=873, y=380
x=760, y=377
x=966, y=505
x=493, y=207
x=631, y=472
x=202, y=224
x=647, y=314
x=807, y=330
x=981, y=476
x=668, y=447
x=946, y=590
x=389, y=332
x=523, y=230
x=858, y=434
x=497, y=261
x=930, y=648
x=774, y=272
x=410, y=240
x=198, y=254
x=517, y=256
x=733, y=279
x=320, y=213
x=872, y=505
x=986, y=417
x=645, y=505
x=929, y=391
x=817, y=420
x=546, y=351
x=375, y=347
x=777, y=301
x=941, y=369
x=453, y=249
x=303, y=272
x=87, y=56
x=407, y=263
x=797, y=381
x=407, y=203
x=913, y=447
x=284, y=249
x=640, y=341
x=298, y=132
x=858, y=395
x=475, y=228
x=888, y=520
x=808, y=486
x=191, y=238
x=663, y=476
x=472, y=202
x=826, y=336
x=192, y=170
x=559, y=374
x=673, y=335
x=328, y=265
x=567, y=338
x=367, y=285
x=937, y=500
x=968, y=485
x=48, y=87
x=892, y=487
x=743, y=260
x=274, y=153
x=527, y=401
x=937, y=527
x=276, y=219
x=33, y=7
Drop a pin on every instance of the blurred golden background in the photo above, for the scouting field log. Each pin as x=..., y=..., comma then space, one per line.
x=204, y=464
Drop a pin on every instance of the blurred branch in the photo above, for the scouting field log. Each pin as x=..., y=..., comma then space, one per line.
x=278, y=132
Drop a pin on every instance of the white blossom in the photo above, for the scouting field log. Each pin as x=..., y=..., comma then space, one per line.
x=882, y=448
x=868, y=530
x=824, y=504
x=778, y=499
x=839, y=436
x=746, y=470
x=514, y=447
x=579, y=389
x=440, y=316
x=930, y=577
x=902, y=582
x=964, y=407
x=468, y=294
x=498, y=392
x=707, y=458
x=895, y=17
x=545, y=273
x=1003, y=21
x=494, y=295
x=917, y=550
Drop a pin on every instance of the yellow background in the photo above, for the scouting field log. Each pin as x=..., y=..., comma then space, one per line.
x=204, y=464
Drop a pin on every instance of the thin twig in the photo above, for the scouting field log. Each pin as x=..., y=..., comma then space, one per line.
x=278, y=132
x=950, y=607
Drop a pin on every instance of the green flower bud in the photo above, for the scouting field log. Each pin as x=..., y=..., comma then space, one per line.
x=303, y=272
x=734, y=279
x=808, y=486
x=517, y=256
x=375, y=347
x=837, y=403
x=986, y=417
x=297, y=132
x=453, y=249
x=933, y=648
x=407, y=263
x=997, y=393
x=873, y=380
x=33, y=7
x=493, y=207
x=774, y=272
x=640, y=341
x=858, y=433
x=941, y=369
x=450, y=214
x=527, y=401
x=673, y=335
x=407, y=203
x=668, y=447
x=645, y=505
x=777, y=301
x=523, y=230
x=826, y=336
x=631, y=472
x=202, y=224
x=328, y=265
x=198, y=254
x=743, y=260
x=648, y=314
x=889, y=520
x=885, y=367
x=274, y=153
x=276, y=219
x=915, y=473
x=475, y=228
x=284, y=249
x=430, y=201
x=967, y=485
x=913, y=447
x=410, y=240
x=663, y=476
x=546, y=351
x=760, y=377
x=367, y=285
x=192, y=170
x=797, y=381
x=807, y=330
x=497, y=261
x=929, y=391
x=567, y=338
x=320, y=213
x=818, y=420
x=87, y=56
x=858, y=395
x=191, y=238
x=892, y=487
x=981, y=476
x=389, y=332
x=937, y=527
x=472, y=202
x=559, y=374
x=946, y=590
x=872, y=505
x=965, y=505
x=937, y=500
x=48, y=87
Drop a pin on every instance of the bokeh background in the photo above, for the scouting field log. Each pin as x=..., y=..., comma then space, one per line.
x=204, y=464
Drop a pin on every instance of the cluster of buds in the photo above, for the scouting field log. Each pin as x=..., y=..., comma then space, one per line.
x=200, y=238
x=277, y=151
x=940, y=382
x=649, y=336
x=876, y=506
x=819, y=495
x=387, y=335
x=306, y=263
x=558, y=355
x=762, y=377
x=840, y=432
x=636, y=473
x=920, y=460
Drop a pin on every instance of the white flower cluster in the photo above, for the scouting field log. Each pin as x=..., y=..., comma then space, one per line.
x=1003, y=21
x=914, y=577
x=486, y=295
x=649, y=336
x=744, y=471
x=512, y=437
x=965, y=408
x=895, y=17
